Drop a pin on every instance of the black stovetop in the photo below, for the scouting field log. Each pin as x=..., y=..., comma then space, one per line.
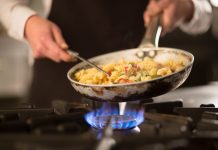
x=167, y=125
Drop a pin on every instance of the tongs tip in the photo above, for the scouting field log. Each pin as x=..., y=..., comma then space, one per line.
x=76, y=54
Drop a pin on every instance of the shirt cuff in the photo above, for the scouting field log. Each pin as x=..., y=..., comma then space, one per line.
x=197, y=25
x=19, y=17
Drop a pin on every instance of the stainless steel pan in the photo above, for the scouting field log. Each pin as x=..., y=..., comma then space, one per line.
x=139, y=90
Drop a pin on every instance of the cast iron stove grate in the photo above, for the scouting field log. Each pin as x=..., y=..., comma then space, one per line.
x=167, y=125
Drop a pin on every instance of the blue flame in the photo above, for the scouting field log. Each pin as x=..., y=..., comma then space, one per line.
x=99, y=118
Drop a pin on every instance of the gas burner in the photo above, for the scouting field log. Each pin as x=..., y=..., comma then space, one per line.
x=119, y=116
x=143, y=125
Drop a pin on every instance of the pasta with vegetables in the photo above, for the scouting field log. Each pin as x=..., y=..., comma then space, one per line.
x=128, y=71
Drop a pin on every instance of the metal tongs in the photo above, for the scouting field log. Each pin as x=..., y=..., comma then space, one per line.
x=76, y=54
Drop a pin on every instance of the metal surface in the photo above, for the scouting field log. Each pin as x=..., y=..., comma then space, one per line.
x=152, y=35
x=194, y=96
x=137, y=90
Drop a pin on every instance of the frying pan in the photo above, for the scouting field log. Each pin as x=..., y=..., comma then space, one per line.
x=137, y=90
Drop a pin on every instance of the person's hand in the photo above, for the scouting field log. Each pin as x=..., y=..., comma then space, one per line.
x=173, y=12
x=46, y=40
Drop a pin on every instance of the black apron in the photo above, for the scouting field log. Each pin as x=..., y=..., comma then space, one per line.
x=91, y=27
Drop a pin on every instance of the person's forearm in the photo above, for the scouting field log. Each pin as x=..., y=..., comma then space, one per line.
x=201, y=20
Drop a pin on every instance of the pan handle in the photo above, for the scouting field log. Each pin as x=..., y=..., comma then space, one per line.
x=152, y=34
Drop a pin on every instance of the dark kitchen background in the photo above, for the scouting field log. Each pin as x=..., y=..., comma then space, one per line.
x=46, y=82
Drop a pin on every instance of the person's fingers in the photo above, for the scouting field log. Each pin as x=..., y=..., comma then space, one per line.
x=162, y=4
x=66, y=57
x=169, y=19
x=36, y=54
x=62, y=44
x=153, y=8
x=146, y=18
x=56, y=53
x=42, y=54
x=38, y=50
x=53, y=50
x=172, y=13
x=58, y=37
x=166, y=9
x=52, y=57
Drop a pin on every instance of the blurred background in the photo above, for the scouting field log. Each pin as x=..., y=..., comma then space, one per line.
x=18, y=79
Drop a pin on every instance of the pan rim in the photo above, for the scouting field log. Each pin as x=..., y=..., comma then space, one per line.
x=133, y=83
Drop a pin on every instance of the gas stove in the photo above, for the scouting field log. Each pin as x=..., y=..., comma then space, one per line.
x=164, y=125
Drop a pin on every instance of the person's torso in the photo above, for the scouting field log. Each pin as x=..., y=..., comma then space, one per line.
x=93, y=27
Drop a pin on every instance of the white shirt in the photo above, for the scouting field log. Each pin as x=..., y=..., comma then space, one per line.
x=15, y=13
x=202, y=9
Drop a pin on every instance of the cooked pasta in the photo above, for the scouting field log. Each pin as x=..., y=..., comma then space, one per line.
x=128, y=71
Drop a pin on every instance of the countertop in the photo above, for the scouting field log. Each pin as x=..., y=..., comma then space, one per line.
x=194, y=96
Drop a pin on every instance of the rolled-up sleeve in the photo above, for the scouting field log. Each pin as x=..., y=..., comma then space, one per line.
x=201, y=20
x=13, y=16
